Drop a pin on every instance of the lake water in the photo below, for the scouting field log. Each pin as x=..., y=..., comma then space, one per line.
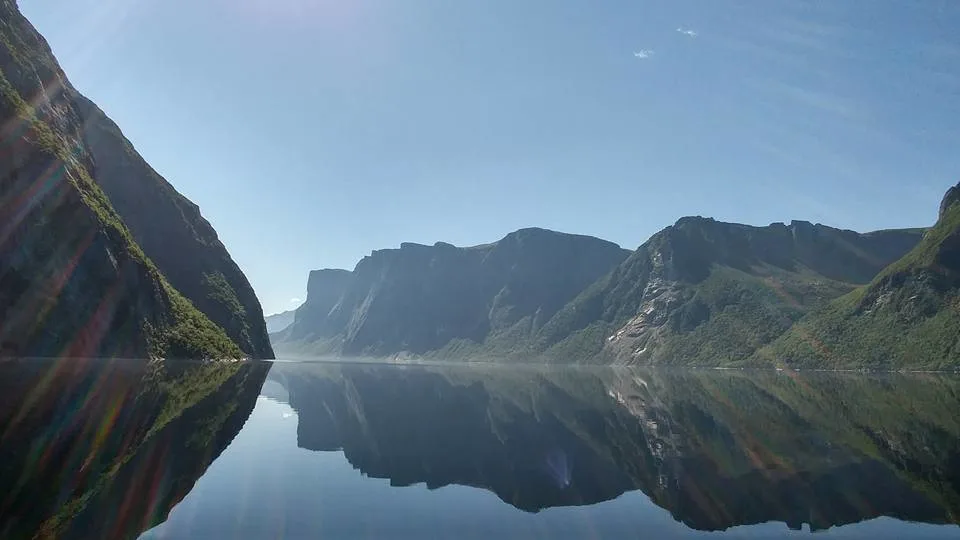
x=366, y=451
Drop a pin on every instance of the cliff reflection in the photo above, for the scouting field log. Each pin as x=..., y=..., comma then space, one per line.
x=716, y=449
x=104, y=449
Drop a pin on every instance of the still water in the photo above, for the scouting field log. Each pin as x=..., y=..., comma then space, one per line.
x=306, y=450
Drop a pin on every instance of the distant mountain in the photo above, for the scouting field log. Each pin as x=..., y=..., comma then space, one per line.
x=100, y=256
x=279, y=321
x=483, y=300
x=702, y=292
x=908, y=316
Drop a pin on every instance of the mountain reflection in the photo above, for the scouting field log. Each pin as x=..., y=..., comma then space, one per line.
x=716, y=449
x=104, y=449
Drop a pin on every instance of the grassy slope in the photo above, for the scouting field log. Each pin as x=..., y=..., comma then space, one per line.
x=909, y=317
x=721, y=318
x=188, y=333
x=748, y=311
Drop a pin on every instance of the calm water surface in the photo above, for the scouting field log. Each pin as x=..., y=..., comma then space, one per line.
x=304, y=450
x=389, y=452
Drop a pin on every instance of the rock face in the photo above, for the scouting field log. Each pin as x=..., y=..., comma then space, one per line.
x=421, y=299
x=951, y=198
x=906, y=317
x=73, y=279
x=313, y=320
x=710, y=293
x=173, y=234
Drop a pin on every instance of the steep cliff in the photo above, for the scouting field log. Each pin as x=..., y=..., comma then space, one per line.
x=73, y=279
x=173, y=234
x=908, y=316
x=312, y=321
x=483, y=300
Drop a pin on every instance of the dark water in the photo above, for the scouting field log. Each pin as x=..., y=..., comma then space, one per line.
x=360, y=451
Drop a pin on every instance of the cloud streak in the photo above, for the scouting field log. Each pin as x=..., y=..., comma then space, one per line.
x=643, y=54
x=687, y=32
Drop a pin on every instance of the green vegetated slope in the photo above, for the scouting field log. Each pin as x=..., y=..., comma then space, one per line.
x=909, y=316
x=448, y=301
x=74, y=281
x=704, y=292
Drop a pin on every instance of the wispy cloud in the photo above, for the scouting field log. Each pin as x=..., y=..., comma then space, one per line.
x=815, y=100
x=295, y=301
x=643, y=54
x=687, y=32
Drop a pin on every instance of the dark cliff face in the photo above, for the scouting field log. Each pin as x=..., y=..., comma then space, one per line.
x=173, y=234
x=693, y=245
x=419, y=298
x=717, y=450
x=72, y=282
x=73, y=279
x=313, y=319
x=707, y=293
x=951, y=198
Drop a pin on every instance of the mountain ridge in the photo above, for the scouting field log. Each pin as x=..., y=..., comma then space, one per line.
x=447, y=293
x=705, y=292
x=685, y=283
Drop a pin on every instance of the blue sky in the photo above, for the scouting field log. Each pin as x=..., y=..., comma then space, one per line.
x=311, y=132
